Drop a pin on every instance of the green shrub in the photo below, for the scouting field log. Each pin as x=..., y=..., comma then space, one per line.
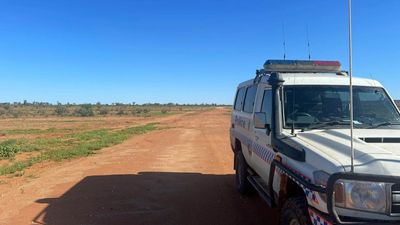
x=61, y=110
x=120, y=112
x=103, y=111
x=3, y=111
x=8, y=149
x=15, y=114
x=85, y=111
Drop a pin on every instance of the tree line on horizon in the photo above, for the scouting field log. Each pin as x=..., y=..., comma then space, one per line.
x=35, y=103
x=45, y=109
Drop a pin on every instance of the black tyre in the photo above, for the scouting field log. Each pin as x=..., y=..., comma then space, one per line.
x=242, y=184
x=295, y=212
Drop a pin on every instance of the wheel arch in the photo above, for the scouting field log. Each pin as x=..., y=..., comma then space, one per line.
x=237, y=149
x=289, y=189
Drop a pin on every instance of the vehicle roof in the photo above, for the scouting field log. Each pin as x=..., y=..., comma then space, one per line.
x=317, y=79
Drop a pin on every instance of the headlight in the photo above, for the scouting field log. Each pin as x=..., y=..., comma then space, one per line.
x=358, y=195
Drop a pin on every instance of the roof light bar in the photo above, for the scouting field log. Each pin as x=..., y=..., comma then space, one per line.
x=302, y=66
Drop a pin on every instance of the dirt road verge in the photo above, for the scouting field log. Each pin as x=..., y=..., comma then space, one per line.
x=180, y=175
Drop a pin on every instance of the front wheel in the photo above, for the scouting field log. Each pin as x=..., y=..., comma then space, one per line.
x=294, y=212
x=242, y=184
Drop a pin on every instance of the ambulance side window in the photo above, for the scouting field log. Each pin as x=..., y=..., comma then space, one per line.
x=250, y=99
x=267, y=104
x=239, y=99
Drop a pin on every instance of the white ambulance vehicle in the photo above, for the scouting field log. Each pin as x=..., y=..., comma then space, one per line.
x=290, y=134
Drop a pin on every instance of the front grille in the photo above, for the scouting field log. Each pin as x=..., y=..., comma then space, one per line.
x=396, y=199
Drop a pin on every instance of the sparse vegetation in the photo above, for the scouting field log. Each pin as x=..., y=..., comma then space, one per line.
x=66, y=147
x=103, y=111
x=41, y=132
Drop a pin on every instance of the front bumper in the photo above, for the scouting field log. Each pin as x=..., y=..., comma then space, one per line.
x=333, y=217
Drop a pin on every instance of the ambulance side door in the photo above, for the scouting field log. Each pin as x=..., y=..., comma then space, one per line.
x=263, y=153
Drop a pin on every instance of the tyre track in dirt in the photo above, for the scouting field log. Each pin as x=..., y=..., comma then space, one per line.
x=180, y=175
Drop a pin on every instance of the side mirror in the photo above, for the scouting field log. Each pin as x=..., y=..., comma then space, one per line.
x=260, y=121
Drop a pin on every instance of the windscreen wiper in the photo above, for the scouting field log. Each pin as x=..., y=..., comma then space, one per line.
x=382, y=125
x=325, y=124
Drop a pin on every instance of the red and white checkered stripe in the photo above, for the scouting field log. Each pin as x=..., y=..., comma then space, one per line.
x=311, y=195
x=317, y=219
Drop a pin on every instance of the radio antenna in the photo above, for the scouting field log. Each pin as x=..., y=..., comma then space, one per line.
x=284, y=40
x=351, y=87
x=308, y=45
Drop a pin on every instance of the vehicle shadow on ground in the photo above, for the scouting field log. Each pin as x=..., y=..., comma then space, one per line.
x=155, y=198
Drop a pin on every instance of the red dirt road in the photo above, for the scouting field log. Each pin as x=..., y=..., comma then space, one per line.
x=181, y=175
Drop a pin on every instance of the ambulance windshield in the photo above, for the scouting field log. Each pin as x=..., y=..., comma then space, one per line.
x=328, y=107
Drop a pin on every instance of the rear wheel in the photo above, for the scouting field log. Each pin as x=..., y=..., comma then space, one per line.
x=242, y=184
x=295, y=212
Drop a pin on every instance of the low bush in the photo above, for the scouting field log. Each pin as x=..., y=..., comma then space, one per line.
x=103, y=111
x=85, y=111
x=8, y=149
x=61, y=110
x=120, y=112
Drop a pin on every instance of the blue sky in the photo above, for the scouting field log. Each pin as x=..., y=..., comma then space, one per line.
x=181, y=51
